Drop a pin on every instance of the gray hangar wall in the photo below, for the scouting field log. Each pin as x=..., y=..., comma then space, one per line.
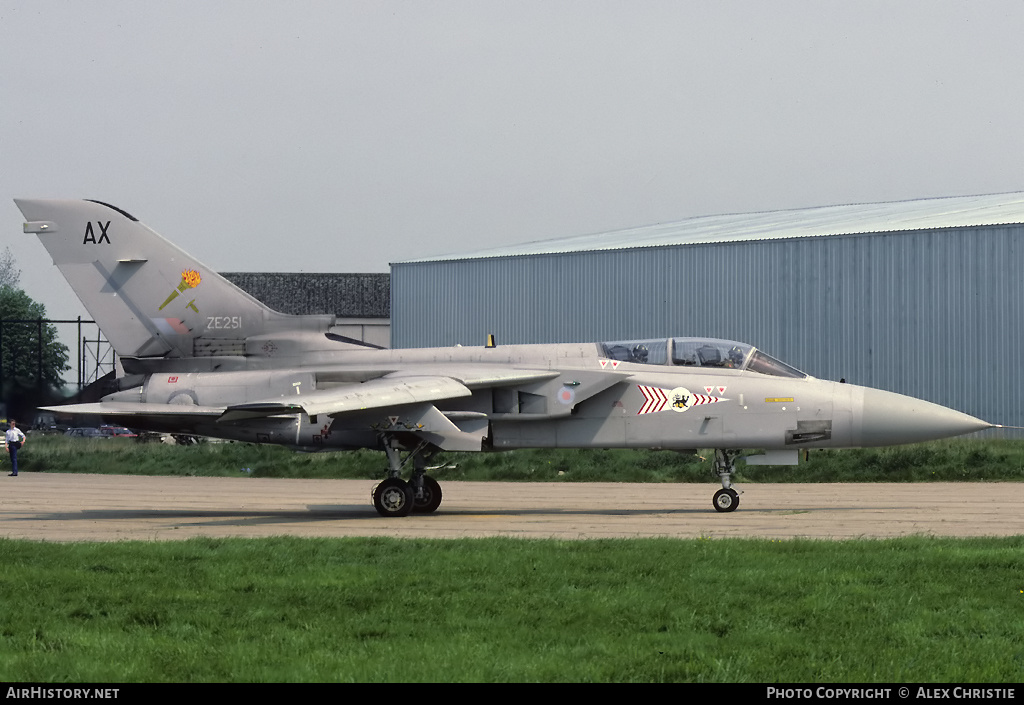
x=932, y=313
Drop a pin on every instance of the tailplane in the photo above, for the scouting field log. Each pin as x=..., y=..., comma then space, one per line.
x=150, y=298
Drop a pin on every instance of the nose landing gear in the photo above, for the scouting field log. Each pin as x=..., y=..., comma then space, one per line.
x=726, y=499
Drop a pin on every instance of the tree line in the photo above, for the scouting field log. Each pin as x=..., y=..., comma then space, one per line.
x=32, y=359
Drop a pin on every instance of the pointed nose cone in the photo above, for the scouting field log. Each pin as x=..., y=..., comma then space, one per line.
x=892, y=419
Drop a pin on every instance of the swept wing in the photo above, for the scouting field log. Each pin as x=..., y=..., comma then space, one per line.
x=378, y=393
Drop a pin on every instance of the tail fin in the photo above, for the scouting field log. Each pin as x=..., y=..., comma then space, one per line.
x=150, y=299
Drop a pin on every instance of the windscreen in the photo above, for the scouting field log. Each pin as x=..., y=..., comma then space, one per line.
x=768, y=365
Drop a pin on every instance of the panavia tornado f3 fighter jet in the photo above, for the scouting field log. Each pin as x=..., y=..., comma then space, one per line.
x=202, y=357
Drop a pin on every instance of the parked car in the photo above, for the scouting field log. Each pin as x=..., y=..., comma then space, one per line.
x=117, y=432
x=51, y=430
x=84, y=433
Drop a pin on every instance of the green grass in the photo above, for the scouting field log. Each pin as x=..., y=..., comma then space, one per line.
x=388, y=610
x=382, y=610
x=951, y=460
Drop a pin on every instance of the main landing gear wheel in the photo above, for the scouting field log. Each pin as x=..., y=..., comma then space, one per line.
x=421, y=494
x=394, y=498
x=426, y=498
x=726, y=500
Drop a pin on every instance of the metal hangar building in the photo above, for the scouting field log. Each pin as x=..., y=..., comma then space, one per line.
x=362, y=302
x=919, y=297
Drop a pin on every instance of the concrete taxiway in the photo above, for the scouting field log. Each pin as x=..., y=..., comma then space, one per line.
x=69, y=507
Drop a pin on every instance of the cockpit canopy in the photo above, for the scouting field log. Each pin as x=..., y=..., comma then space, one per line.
x=698, y=352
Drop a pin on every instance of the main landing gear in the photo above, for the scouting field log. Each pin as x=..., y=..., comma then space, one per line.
x=394, y=497
x=726, y=499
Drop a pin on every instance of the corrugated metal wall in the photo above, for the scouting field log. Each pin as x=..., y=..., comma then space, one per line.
x=935, y=314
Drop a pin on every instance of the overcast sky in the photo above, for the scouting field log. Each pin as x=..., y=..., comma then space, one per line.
x=341, y=136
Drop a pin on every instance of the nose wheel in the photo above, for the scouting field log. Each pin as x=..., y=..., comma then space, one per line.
x=726, y=499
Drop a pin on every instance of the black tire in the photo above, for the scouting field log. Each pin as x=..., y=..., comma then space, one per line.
x=726, y=500
x=430, y=499
x=393, y=498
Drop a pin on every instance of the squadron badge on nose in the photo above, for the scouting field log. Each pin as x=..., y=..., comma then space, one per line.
x=679, y=399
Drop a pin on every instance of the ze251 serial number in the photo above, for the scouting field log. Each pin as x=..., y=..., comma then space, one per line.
x=223, y=322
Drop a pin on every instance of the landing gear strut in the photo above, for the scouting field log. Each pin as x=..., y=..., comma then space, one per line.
x=394, y=497
x=726, y=499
